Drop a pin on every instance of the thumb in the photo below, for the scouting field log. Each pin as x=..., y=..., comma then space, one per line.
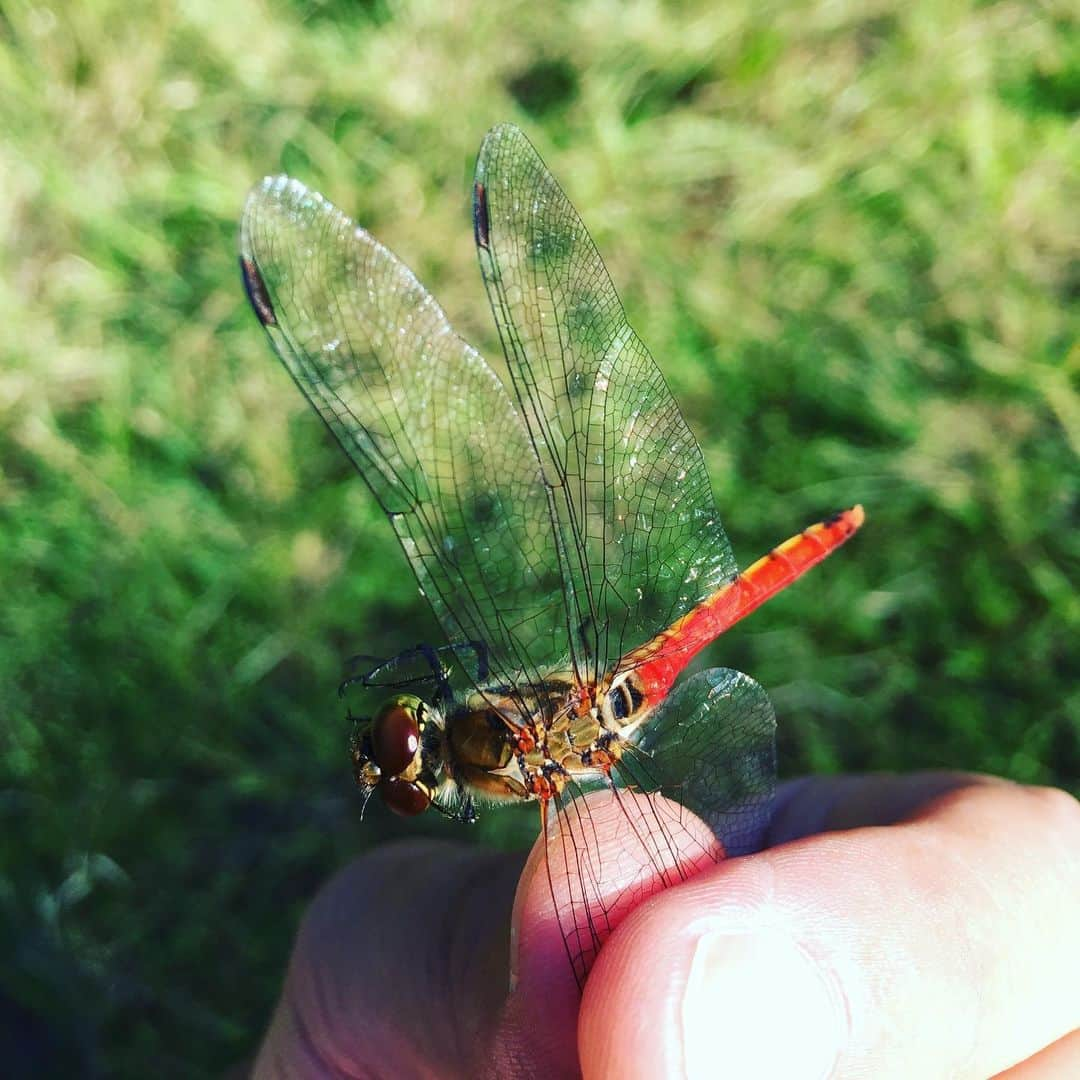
x=944, y=946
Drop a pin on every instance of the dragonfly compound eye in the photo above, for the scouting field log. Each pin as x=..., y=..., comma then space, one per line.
x=403, y=796
x=395, y=734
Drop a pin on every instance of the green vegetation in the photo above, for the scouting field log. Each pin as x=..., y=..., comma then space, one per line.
x=849, y=239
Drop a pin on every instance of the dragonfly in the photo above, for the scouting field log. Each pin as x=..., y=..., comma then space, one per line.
x=562, y=528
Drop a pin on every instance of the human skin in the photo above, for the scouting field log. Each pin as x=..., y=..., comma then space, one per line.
x=926, y=926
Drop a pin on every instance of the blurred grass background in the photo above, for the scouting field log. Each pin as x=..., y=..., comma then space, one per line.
x=848, y=233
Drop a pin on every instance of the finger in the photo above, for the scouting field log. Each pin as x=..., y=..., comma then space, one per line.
x=816, y=804
x=1058, y=1060
x=945, y=946
x=399, y=967
x=543, y=1009
x=541, y=967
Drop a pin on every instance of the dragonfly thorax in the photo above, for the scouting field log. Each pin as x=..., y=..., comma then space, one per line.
x=495, y=751
x=497, y=745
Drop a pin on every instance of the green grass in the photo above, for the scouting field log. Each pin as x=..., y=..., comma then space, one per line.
x=849, y=240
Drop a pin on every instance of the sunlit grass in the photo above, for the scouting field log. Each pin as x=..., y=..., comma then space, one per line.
x=847, y=233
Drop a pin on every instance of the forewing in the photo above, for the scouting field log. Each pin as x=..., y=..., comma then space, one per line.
x=607, y=852
x=637, y=521
x=420, y=414
x=709, y=749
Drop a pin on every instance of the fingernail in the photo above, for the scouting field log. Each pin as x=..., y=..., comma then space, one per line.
x=758, y=1005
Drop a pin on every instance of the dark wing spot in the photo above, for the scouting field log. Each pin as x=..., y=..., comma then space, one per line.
x=257, y=292
x=481, y=223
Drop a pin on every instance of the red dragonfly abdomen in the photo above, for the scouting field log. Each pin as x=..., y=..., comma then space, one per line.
x=659, y=662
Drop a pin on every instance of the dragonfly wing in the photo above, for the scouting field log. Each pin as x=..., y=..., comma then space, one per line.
x=708, y=749
x=639, y=531
x=711, y=746
x=420, y=414
x=609, y=850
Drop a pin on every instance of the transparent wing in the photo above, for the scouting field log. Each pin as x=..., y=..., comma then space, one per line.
x=711, y=746
x=638, y=526
x=422, y=417
x=710, y=749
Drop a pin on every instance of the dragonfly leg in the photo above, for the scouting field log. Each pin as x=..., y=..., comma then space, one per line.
x=378, y=666
x=439, y=671
x=353, y=663
x=477, y=648
x=464, y=813
x=483, y=665
x=366, y=658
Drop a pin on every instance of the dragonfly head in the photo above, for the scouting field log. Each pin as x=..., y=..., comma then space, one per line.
x=388, y=755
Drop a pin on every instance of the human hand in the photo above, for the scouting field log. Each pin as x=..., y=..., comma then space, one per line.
x=946, y=944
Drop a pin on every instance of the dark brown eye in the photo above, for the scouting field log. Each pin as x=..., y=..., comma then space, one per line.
x=395, y=735
x=403, y=796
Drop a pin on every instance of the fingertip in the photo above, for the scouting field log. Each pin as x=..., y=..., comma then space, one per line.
x=569, y=902
x=943, y=945
x=689, y=987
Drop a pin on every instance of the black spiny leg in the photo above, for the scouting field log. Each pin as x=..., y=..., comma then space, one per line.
x=464, y=813
x=379, y=668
